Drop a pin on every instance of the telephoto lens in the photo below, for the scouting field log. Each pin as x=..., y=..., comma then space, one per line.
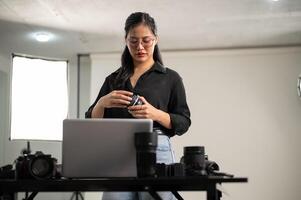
x=146, y=145
x=194, y=160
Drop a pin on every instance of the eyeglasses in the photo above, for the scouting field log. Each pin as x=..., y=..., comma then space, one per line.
x=146, y=42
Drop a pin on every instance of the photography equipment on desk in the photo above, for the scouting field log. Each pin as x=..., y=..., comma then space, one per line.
x=7, y=172
x=146, y=144
x=194, y=162
x=169, y=170
x=38, y=166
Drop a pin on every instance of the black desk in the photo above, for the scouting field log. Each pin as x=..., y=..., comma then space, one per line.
x=10, y=187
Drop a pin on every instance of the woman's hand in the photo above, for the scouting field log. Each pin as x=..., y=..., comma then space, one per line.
x=116, y=99
x=146, y=111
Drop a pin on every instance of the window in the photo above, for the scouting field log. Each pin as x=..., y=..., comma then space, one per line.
x=39, y=100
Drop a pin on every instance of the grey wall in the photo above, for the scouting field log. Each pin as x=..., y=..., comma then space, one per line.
x=84, y=84
x=3, y=110
x=245, y=111
x=4, y=105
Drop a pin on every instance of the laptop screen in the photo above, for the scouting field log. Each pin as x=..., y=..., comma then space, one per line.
x=94, y=148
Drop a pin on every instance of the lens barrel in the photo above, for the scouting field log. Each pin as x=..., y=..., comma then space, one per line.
x=194, y=160
x=146, y=145
x=135, y=100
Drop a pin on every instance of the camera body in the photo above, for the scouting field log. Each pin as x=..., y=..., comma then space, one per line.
x=36, y=166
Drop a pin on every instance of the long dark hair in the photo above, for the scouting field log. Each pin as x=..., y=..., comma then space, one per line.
x=127, y=66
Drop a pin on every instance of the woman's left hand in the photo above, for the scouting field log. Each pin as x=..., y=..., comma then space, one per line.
x=145, y=111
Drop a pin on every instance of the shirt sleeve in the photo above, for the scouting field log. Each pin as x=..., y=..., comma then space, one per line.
x=178, y=109
x=105, y=89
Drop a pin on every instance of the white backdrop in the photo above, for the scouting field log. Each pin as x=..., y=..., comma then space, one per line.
x=245, y=111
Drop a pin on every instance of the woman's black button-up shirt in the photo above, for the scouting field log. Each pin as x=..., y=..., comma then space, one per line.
x=162, y=88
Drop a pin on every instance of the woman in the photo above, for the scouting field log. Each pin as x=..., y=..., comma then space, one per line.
x=160, y=89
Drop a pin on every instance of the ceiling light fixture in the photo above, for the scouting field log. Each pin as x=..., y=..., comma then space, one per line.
x=43, y=36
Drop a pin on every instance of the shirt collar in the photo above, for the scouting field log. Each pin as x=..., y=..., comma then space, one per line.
x=158, y=67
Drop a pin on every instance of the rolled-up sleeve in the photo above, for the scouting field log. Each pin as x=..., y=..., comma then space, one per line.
x=178, y=108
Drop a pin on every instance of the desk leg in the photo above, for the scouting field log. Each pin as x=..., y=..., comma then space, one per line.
x=154, y=194
x=31, y=196
x=212, y=192
x=177, y=195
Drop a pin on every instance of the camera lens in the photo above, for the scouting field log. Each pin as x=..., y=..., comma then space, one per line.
x=41, y=168
x=194, y=160
x=146, y=145
x=135, y=100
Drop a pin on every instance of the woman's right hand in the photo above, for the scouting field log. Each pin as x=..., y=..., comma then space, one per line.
x=116, y=99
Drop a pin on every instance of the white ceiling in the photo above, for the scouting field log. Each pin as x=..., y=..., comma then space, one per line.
x=84, y=26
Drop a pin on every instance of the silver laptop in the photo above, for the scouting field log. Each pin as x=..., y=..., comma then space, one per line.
x=94, y=148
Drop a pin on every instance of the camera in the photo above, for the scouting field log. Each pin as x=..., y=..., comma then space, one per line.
x=38, y=166
x=135, y=100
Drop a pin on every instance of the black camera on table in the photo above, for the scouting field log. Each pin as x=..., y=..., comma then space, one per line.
x=196, y=163
x=38, y=166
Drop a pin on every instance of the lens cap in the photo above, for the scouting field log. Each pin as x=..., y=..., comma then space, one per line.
x=194, y=150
